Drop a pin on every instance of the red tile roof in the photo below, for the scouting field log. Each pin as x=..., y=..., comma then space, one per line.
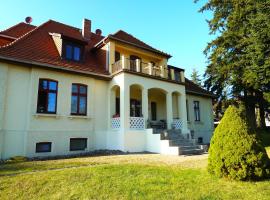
x=18, y=30
x=192, y=88
x=125, y=37
x=30, y=44
x=38, y=46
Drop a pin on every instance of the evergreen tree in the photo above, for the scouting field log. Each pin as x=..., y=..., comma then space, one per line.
x=235, y=151
x=195, y=77
x=239, y=57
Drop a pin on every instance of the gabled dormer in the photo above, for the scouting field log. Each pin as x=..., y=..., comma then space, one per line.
x=70, y=49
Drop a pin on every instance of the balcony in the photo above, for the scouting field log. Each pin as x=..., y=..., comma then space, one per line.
x=148, y=69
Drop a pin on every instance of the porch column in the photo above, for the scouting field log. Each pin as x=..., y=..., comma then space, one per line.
x=145, y=105
x=182, y=110
x=123, y=62
x=169, y=110
x=138, y=65
x=124, y=106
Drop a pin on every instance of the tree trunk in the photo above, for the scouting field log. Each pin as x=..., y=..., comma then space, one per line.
x=250, y=110
x=260, y=98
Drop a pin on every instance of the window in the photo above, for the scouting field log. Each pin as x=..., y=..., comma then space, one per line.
x=117, y=106
x=177, y=76
x=78, y=144
x=79, y=99
x=117, y=56
x=197, y=110
x=135, y=108
x=187, y=110
x=47, y=96
x=154, y=111
x=43, y=147
x=72, y=52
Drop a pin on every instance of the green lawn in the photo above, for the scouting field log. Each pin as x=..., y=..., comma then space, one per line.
x=138, y=176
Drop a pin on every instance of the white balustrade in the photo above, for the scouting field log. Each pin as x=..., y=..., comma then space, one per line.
x=115, y=123
x=177, y=123
x=136, y=123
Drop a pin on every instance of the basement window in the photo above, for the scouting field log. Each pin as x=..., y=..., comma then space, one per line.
x=43, y=147
x=78, y=144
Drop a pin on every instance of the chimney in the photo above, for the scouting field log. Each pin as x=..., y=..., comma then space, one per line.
x=86, y=29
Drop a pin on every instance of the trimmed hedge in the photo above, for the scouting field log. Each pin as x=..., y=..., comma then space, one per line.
x=235, y=151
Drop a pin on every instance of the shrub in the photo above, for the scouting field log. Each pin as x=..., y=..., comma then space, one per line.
x=235, y=151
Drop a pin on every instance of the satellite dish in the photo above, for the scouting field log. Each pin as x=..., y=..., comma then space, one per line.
x=28, y=20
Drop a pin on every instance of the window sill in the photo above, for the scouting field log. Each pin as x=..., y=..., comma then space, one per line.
x=37, y=115
x=198, y=122
x=79, y=117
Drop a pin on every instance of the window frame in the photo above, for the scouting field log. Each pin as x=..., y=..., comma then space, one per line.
x=116, y=54
x=187, y=108
x=40, y=143
x=78, y=95
x=73, y=46
x=135, y=111
x=177, y=75
x=76, y=149
x=197, y=110
x=47, y=91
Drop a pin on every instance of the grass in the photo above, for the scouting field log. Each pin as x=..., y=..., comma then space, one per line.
x=138, y=176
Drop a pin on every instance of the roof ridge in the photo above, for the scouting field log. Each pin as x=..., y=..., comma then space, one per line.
x=65, y=24
x=11, y=27
x=26, y=35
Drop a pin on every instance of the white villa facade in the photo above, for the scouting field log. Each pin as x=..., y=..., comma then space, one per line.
x=67, y=91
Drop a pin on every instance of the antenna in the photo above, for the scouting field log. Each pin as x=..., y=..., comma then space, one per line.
x=28, y=20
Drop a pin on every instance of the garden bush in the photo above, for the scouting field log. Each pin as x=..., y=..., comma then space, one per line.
x=235, y=150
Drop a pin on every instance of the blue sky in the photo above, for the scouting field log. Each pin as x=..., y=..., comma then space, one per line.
x=173, y=26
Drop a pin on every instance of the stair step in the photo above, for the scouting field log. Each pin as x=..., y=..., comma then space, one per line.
x=191, y=151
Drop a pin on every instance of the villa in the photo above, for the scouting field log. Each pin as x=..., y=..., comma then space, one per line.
x=65, y=90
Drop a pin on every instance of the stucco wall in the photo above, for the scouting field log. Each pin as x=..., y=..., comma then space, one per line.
x=204, y=128
x=22, y=127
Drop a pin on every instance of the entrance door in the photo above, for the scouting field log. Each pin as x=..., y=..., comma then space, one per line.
x=153, y=111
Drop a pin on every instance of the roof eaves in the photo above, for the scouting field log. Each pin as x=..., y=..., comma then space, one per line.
x=107, y=77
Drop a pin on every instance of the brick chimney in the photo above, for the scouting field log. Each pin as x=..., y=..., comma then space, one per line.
x=86, y=28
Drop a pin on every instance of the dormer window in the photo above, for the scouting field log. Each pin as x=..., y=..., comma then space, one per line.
x=72, y=51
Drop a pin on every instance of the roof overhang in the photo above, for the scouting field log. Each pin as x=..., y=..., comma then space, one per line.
x=54, y=67
x=111, y=37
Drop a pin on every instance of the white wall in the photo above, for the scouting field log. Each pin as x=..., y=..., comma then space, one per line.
x=22, y=127
x=205, y=127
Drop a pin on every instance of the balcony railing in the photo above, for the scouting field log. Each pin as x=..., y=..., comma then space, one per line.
x=145, y=68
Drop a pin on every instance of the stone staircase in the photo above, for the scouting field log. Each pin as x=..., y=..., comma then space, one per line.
x=180, y=141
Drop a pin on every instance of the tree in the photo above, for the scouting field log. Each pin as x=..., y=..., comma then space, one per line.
x=239, y=57
x=235, y=151
x=195, y=77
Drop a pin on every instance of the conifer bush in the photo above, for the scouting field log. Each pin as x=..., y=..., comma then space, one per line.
x=235, y=151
